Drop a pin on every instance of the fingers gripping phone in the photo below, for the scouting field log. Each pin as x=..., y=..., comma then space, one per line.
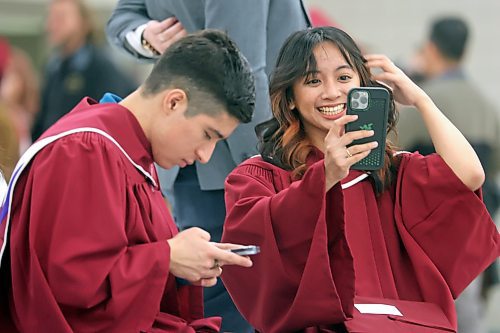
x=246, y=250
x=371, y=105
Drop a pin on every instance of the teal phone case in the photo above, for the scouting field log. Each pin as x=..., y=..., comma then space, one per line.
x=372, y=114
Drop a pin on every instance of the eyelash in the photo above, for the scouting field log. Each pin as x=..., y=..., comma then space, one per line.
x=343, y=77
x=207, y=136
x=312, y=81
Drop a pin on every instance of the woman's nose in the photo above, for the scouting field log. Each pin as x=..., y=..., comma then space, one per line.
x=331, y=91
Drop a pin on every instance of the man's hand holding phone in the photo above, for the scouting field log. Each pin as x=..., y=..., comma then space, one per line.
x=194, y=258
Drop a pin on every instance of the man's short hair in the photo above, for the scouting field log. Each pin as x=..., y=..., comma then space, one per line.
x=207, y=63
x=450, y=34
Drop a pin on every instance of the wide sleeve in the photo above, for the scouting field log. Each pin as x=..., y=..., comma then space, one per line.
x=449, y=222
x=92, y=262
x=246, y=22
x=303, y=276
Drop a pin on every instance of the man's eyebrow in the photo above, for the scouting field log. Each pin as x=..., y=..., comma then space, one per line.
x=216, y=132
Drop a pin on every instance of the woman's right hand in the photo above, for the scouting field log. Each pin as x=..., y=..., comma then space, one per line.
x=339, y=158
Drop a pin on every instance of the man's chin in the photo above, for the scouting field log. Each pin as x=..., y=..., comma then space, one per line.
x=166, y=165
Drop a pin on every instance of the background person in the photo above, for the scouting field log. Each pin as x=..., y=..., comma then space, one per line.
x=9, y=141
x=441, y=61
x=77, y=67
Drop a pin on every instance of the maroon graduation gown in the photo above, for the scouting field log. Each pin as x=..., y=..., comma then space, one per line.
x=88, y=250
x=423, y=240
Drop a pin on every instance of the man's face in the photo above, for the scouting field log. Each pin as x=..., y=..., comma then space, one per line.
x=64, y=23
x=184, y=139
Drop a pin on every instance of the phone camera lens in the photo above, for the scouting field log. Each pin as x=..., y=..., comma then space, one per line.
x=355, y=95
x=355, y=104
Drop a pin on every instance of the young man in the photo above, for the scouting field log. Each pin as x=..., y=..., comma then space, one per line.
x=259, y=28
x=92, y=246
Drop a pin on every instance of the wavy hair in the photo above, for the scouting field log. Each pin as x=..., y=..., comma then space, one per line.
x=282, y=140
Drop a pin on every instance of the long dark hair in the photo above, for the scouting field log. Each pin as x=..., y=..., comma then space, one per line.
x=282, y=140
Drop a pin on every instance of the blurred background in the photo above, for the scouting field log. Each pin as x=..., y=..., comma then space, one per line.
x=22, y=22
x=393, y=27
x=396, y=28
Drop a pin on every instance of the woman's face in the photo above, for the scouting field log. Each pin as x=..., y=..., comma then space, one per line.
x=321, y=97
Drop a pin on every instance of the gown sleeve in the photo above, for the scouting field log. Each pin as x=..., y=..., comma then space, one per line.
x=303, y=276
x=81, y=251
x=448, y=221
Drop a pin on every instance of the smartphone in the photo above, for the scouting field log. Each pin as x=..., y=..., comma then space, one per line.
x=371, y=105
x=246, y=250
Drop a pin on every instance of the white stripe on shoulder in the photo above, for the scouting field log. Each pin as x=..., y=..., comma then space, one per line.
x=354, y=181
x=33, y=150
x=53, y=138
x=344, y=186
x=396, y=153
x=137, y=166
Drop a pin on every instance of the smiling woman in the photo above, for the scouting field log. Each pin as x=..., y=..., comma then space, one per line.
x=339, y=245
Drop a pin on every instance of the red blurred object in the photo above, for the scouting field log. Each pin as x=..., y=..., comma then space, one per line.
x=4, y=55
x=320, y=19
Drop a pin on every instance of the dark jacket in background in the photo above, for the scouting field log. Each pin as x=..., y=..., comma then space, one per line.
x=88, y=72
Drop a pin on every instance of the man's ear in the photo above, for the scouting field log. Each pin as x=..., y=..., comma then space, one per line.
x=175, y=100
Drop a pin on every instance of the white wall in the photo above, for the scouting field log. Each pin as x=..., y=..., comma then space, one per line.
x=397, y=27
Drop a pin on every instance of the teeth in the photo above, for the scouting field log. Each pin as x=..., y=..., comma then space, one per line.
x=332, y=110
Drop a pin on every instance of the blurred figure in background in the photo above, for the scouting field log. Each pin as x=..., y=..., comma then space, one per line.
x=9, y=143
x=440, y=63
x=3, y=188
x=77, y=67
x=19, y=91
x=145, y=29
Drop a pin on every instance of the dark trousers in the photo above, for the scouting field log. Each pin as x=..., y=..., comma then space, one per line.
x=206, y=209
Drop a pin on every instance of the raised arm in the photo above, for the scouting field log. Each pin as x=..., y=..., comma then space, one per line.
x=448, y=141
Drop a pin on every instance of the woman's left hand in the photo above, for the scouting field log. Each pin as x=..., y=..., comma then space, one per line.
x=404, y=89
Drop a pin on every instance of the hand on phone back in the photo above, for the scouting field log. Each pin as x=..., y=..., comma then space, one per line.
x=338, y=158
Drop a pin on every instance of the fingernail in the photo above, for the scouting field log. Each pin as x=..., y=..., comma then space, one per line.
x=374, y=144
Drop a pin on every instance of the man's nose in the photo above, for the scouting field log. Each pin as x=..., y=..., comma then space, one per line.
x=205, y=152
